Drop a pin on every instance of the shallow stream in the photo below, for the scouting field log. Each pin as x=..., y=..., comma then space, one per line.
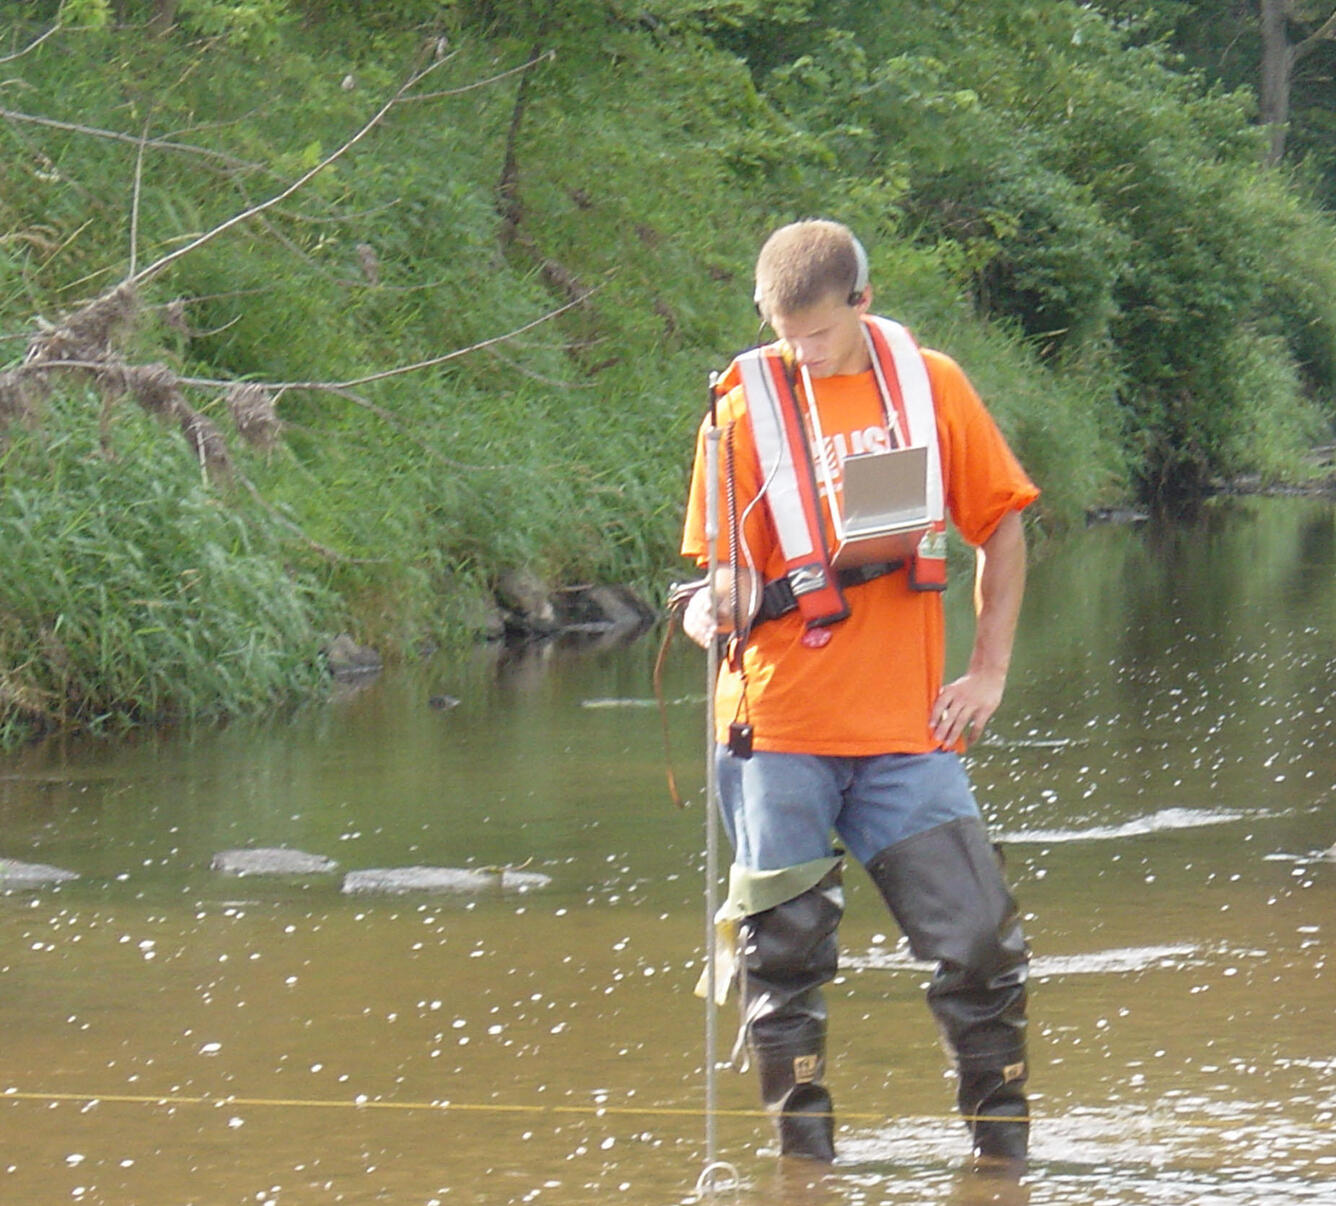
x=1163, y=774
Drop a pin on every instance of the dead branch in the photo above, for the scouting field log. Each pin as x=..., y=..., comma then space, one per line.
x=208, y=236
x=337, y=386
x=88, y=334
x=516, y=366
x=33, y=45
x=160, y=392
x=1324, y=33
x=84, y=342
x=134, y=202
x=159, y=144
x=546, y=56
x=203, y=436
x=94, y=332
x=254, y=414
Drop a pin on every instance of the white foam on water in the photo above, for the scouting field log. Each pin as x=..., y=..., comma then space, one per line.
x=1124, y=1156
x=1113, y=962
x=1117, y=961
x=1164, y=820
x=1316, y=856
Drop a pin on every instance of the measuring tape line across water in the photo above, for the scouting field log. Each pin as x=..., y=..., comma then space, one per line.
x=171, y=1099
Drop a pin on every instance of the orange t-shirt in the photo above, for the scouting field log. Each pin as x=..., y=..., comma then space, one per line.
x=870, y=688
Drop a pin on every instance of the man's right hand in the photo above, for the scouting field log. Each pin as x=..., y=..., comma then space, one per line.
x=701, y=625
x=698, y=620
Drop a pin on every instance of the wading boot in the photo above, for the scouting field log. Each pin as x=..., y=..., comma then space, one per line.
x=787, y=953
x=998, y=1113
x=945, y=888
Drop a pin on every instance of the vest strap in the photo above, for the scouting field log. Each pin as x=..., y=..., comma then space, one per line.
x=778, y=599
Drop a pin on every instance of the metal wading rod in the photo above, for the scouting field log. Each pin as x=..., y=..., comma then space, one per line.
x=717, y=1174
x=711, y=775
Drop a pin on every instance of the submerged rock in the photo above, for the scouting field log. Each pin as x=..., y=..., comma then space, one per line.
x=347, y=660
x=271, y=860
x=526, y=605
x=599, y=614
x=442, y=879
x=600, y=609
x=15, y=875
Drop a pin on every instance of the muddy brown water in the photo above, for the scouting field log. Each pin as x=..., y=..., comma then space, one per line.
x=1163, y=775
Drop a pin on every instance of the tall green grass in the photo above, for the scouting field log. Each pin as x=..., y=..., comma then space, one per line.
x=131, y=592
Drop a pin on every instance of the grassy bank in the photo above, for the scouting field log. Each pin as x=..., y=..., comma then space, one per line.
x=564, y=242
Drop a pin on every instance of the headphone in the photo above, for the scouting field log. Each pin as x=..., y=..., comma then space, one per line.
x=856, y=290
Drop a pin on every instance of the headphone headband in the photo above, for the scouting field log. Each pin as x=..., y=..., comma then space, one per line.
x=861, y=275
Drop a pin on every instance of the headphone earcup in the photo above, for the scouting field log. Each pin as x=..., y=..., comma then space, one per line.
x=861, y=273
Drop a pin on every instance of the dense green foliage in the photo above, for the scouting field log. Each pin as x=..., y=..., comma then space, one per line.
x=1104, y=203
x=1084, y=228
x=1222, y=42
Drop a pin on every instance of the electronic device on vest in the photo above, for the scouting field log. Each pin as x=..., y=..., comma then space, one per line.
x=883, y=512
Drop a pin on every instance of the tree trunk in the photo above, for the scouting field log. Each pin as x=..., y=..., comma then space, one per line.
x=1277, y=70
x=164, y=16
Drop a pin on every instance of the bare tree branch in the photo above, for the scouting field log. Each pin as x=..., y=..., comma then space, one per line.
x=517, y=367
x=116, y=136
x=1324, y=33
x=134, y=202
x=18, y=54
x=392, y=420
x=384, y=374
x=158, y=265
x=38, y=367
x=546, y=56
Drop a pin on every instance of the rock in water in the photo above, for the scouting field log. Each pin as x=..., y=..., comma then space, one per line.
x=347, y=660
x=271, y=860
x=442, y=879
x=15, y=875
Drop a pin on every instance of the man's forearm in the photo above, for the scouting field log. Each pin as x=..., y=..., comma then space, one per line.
x=999, y=587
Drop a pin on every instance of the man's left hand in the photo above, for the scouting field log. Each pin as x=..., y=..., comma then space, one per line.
x=965, y=706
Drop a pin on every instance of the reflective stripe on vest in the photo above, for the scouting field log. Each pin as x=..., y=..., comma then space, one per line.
x=902, y=376
x=787, y=470
x=790, y=486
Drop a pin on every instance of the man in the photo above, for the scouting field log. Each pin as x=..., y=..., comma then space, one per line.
x=833, y=714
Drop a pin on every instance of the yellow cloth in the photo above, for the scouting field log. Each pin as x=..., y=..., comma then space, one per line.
x=753, y=892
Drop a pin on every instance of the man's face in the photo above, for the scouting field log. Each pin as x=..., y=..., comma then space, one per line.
x=827, y=338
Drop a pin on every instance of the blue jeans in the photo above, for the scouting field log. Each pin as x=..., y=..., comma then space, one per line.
x=779, y=809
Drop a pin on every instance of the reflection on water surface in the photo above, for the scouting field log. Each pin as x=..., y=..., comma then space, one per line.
x=1162, y=773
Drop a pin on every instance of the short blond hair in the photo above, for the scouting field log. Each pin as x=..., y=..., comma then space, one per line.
x=801, y=264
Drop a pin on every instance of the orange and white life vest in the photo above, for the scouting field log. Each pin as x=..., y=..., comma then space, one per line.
x=788, y=468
